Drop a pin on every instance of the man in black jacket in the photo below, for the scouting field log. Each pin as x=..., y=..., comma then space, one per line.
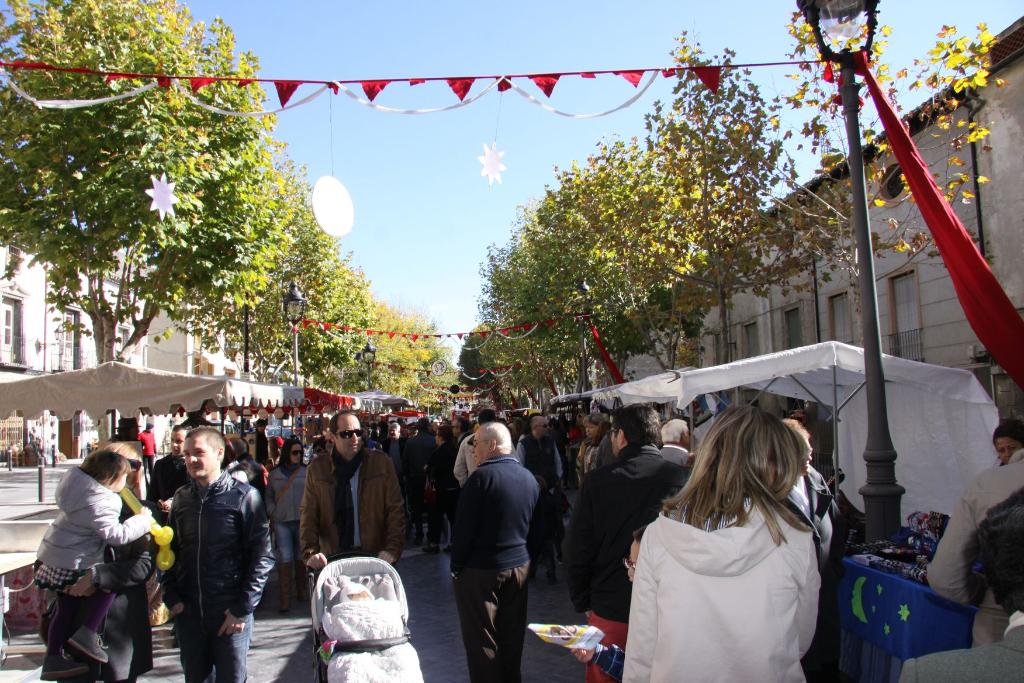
x=813, y=499
x=169, y=473
x=415, y=457
x=614, y=501
x=489, y=557
x=222, y=544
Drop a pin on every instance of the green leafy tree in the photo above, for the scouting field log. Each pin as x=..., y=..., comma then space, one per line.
x=72, y=182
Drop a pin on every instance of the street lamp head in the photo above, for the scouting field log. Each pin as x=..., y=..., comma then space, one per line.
x=836, y=22
x=294, y=304
x=369, y=353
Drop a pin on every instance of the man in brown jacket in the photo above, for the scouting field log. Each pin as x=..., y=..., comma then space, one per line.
x=352, y=501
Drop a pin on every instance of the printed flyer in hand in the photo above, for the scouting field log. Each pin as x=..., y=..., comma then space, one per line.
x=572, y=637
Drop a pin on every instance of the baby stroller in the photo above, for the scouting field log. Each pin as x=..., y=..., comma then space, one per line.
x=360, y=623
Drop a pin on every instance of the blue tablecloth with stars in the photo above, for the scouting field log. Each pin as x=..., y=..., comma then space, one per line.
x=904, y=618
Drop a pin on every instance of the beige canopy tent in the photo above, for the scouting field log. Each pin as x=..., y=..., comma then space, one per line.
x=131, y=390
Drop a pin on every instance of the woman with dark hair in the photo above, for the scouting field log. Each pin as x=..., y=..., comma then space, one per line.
x=284, y=498
x=446, y=486
x=1007, y=439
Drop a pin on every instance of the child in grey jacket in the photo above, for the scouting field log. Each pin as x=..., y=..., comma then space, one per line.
x=87, y=522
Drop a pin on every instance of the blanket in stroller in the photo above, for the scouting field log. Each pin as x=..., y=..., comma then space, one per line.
x=358, y=617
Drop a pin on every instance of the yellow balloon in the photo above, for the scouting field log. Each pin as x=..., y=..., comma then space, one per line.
x=154, y=528
x=165, y=558
x=168, y=534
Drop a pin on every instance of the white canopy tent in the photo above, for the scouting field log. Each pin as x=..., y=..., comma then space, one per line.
x=941, y=419
x=374, y=399
x=130, y=390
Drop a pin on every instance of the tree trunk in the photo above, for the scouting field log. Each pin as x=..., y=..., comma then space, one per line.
x=723, y=323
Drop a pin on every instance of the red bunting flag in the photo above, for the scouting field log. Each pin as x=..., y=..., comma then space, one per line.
x=460, y=86
x=669, y=73
x=587, y=74
x=460, y=335
x=391, y=335
x=483, y=333
x=243, y=82
x=415, y=337
x=504, y=84
x=198, y=83
x=710, y=76
x=417, y=81
x=373, y=88
x=334, y=86
x=632, y=76
x=116, y=77
x=550, y=322
x=163, y=81
x=285, y=90
x=546, y=83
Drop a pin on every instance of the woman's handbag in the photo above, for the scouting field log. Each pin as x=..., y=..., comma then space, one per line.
x=429, y=493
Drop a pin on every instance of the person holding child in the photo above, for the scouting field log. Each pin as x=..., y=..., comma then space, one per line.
x=87, y=522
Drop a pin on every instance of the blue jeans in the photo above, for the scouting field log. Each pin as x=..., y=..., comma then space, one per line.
x=207, y=657
x=286, y=541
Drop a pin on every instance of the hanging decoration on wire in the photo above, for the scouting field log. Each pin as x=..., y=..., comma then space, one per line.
x=191, y=85
x=512, y=332
x=332, y=206
x=163, y=197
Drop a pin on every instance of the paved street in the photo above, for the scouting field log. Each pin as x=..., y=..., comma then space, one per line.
x=282, y=647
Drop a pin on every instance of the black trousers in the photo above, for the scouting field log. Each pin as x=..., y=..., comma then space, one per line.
x=492, y=614
x=443, y=507
x=414, y=491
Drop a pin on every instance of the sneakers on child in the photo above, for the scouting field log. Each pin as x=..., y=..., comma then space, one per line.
x=87, y=643
x=59, y=667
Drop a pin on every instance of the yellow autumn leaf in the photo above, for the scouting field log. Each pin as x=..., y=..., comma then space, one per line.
x=982, y=180
x=879, y=202
x=886, y=30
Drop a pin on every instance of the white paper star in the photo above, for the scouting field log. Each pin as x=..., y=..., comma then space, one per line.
x=492, y=166
x=163, y=196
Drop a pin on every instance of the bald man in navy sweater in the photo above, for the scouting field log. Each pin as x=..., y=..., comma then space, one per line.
x=490, y=563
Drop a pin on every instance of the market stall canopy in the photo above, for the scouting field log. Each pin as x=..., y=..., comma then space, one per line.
x=941, y=419
x=386, y=400
x=568, y=399
x=327, y=402
x=130, y=390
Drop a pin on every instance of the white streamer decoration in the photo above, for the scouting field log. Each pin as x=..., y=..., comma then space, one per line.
x=227, y=112
x=393, y=110
x=186, y=91
x=77, y=104
x=547, y=107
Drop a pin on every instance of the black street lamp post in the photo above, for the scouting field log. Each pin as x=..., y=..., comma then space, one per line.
x=294, y=305
x=843, y=20
x=583, y=381
x=368, y=355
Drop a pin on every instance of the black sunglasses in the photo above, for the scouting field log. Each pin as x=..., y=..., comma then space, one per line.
x=296, y=451
x=349, y=433
x=134, y=464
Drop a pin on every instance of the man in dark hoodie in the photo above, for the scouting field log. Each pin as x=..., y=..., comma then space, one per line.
x=615, y=500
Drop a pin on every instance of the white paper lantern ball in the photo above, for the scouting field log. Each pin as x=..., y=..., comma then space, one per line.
x=332, y=206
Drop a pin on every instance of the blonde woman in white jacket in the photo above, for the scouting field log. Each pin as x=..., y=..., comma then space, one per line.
x=726, y=585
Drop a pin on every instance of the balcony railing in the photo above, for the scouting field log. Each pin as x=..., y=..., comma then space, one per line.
x=64, y=357
x=905, y=344
x=13, y=353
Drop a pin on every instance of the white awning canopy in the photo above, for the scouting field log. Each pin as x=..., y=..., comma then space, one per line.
x=130, y=390
x=941, y=419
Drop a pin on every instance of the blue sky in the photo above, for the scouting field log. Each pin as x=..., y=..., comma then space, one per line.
x=424, y=215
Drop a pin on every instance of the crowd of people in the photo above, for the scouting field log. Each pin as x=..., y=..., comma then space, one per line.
x=714, y=561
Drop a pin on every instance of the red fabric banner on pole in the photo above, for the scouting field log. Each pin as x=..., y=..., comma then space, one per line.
x=988, y=309
x=613, y=369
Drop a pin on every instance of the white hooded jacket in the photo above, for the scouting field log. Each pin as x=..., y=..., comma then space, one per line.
x=86, y=523
x=727, y=605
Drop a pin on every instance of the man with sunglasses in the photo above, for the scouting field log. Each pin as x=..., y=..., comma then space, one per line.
x=352, y=501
